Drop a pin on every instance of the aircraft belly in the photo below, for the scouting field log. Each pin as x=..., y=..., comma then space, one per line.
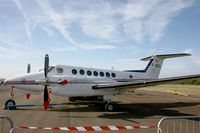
x=79, y=90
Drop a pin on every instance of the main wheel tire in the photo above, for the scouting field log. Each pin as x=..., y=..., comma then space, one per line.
x=109, y=107
x=10, y=105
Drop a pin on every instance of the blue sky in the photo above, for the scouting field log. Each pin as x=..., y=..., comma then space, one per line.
x=99, y=33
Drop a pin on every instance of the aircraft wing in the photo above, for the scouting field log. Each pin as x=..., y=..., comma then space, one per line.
x=140, y=84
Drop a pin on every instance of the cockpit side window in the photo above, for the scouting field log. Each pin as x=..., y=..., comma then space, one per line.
x=59, y=70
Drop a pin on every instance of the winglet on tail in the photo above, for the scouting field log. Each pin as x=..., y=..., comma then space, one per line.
x=165, y=56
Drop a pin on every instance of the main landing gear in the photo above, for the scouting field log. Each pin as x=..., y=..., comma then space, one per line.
x=10, y=105
x=109, y=106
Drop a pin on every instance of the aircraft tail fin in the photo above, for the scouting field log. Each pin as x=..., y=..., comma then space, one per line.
x=155, y=63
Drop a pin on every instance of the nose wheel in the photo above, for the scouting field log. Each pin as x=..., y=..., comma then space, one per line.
x=10, y=105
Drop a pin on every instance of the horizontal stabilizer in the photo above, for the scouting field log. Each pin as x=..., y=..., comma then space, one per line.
x=164, y=56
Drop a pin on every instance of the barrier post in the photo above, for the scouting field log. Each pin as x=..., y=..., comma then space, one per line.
x=188, y=128
x=10, y=121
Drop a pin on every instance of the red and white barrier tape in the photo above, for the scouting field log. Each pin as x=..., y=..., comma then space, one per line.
x=89, y=128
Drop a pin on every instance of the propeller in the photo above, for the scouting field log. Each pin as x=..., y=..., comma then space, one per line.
x=46, y=82
x=46, y=95
x=28, y=68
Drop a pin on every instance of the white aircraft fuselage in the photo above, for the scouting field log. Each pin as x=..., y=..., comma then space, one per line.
x=79, y=80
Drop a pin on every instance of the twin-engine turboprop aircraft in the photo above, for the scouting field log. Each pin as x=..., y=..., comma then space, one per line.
x=79, y=82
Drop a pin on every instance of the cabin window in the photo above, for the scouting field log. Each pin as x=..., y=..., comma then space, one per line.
x=113, y=75
x=107, y=74
x=89, y=73
x=101, y=74
x=59, y=70
x=95, y=73
x=82, y=72
x=130, y=76
x=74, y=71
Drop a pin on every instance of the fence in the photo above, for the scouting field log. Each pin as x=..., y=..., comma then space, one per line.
x=6, y=125
x=179, y=124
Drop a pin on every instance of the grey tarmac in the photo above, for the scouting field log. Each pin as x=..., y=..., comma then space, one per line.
x=145, y=106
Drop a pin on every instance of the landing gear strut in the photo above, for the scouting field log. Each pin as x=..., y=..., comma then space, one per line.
x=109, y=106
x=71, y=99
x=10, y=105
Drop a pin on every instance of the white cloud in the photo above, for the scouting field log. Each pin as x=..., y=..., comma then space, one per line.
x=189, y=50
x=96, y=47
x=101, y=20
x=56, y=20
x=64, y=49
x=149, y=19
x=101, y=27
x=11, y=50
x=161, y=16
x=48, y=31
x=28, y=25
x=87, y=47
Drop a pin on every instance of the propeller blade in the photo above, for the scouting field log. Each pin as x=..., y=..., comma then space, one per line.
x=28, y=68
x=46, y=65
x=46, y=98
